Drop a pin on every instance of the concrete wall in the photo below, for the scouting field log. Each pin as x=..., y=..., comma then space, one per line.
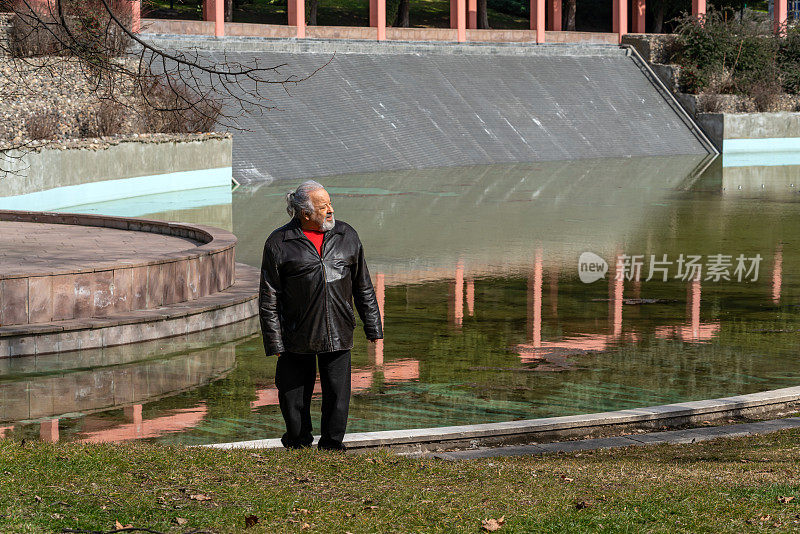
x=393, y=105
x=738, y=133
x=91, y=161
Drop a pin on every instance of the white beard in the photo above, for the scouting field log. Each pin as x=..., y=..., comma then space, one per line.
x=328, y=225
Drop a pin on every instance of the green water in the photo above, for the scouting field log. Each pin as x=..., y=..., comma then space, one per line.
x=485, y=317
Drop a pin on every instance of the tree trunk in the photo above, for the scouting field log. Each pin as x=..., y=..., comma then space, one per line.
x=312, y=15
x=483, y=16
x=569, y=15
x=658, y=17
x=402, y=19
x=228, y=10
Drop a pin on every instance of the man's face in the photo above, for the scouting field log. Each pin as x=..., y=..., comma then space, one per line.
x=322, y=217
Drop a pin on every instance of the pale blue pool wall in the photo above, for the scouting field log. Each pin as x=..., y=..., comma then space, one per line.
x=57, y=177
x=754, y=139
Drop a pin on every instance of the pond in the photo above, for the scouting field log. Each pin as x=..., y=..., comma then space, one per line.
x=486, y=315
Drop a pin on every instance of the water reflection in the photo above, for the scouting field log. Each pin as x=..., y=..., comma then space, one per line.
x=475, y=270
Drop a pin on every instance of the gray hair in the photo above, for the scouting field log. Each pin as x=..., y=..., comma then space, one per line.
x=299, y=200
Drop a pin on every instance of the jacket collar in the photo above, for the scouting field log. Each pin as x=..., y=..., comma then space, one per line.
x=293, y=230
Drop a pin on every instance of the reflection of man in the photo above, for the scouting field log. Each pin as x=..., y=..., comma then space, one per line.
x=312, y=269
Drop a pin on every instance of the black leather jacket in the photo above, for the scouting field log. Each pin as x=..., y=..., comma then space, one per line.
x=305, y=300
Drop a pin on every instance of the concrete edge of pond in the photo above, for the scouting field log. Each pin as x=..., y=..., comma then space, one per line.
x=594, y=425
x=236, y=303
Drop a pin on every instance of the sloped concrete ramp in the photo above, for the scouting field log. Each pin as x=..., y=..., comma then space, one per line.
x=385, y=106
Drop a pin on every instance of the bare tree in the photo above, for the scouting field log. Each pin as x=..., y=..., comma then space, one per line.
x=183, y=90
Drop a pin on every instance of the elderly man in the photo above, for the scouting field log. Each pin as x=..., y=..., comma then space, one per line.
x=312, y=269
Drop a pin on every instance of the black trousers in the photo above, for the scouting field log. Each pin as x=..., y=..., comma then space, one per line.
x=295, y=376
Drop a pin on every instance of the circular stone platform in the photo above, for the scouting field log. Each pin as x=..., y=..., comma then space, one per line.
x=70, y=282
x=28, y=248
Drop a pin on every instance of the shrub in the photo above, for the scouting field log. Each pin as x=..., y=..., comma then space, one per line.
x=88, y=27
x=724, y=54
x=171, y=107
x=42, y=125
x=110, y=118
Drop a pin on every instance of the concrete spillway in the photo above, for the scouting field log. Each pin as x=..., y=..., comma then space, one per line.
x=387, y=106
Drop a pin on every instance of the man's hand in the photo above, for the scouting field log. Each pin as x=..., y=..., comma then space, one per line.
x=373, y=341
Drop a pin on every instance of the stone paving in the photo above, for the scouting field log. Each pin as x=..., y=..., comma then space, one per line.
x=691, y=435
x=39, y=248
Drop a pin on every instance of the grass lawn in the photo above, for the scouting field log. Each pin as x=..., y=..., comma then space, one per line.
x=734, y=485
x=424, y=13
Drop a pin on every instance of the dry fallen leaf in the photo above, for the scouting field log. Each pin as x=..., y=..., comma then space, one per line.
x=250, y=521
x=181, y=520
x=492, y=525
x=305, y=526
x=785, y=500
x=199, y=497
x=120, y=526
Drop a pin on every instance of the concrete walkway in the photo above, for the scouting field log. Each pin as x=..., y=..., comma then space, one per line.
x=690, y=435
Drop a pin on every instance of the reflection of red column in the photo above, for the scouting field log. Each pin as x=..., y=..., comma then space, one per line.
x=534, y=294
x=133, y=414
x=777, y=274
x=48, y=430
x=615, y=294
x=376, y=349
x=470, y=297
x=695, y=303
x=458, y=298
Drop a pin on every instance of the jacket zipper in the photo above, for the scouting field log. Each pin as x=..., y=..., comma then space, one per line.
x=325, y=289
x=324, y=286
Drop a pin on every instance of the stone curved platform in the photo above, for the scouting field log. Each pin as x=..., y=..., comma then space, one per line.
x=71, y=282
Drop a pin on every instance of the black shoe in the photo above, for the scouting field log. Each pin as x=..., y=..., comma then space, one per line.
x=293, y=445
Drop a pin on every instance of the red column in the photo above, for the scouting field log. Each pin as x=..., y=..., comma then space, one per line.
x=373, y=13
x=219, y=18
x=381, y=19
x=453, y=14
x=554, y=15
x=698, y=8
x=48, y=431
x=538, y=19
x=472, y=14
x=461, y=20
x=779, y=12
x=620, y=18
x=297, y=16
x=638, y=16
x=128, y=10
